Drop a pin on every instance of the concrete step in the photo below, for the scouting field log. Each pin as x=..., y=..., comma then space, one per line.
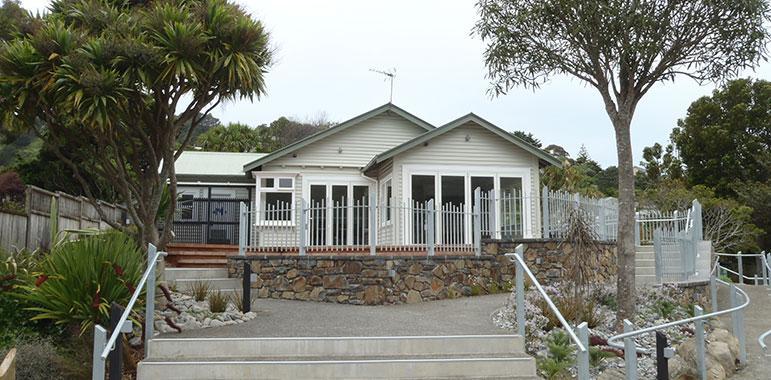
x=645, y=279
x=214, y=283
x=645, y=271
x=324, y=347
x=400, y=357
x=644, y=263
x=466, y=368
x=174, y=274
x=643, y=248
x=645, y=255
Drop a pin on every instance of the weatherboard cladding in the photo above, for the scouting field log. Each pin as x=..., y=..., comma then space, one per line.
x=356, y=146
x=483, y=149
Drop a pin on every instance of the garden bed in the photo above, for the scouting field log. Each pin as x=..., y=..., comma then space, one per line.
x=549, y=343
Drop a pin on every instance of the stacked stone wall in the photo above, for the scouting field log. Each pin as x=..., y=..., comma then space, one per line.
x=377, y=280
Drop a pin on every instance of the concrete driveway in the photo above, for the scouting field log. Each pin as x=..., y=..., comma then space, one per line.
x=282, y=318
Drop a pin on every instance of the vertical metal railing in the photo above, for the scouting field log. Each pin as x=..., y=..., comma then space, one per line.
x=103, y=346
x=581, y=339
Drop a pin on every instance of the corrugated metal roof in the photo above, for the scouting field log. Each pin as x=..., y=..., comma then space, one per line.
x=214, y=163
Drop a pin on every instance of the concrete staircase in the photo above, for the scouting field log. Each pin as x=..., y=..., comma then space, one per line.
x=184, y=278
x=405, y=357
x=645, y=265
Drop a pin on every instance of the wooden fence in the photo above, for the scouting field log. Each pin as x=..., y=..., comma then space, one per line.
x=32, y=228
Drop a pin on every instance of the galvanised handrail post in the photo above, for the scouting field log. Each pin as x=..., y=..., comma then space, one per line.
x=713, y=292
x=521, y=271
x=630, y=353
x=102, y=345
x=150, y=294
x=520, y=280
x=372, y=223
x=100, y=342
x=303, y=228
x=478, y=221
x=430, y=228
x=740, y=267
x=700, y=355
x=243, y=225
x=736, y=325
x=582, y=357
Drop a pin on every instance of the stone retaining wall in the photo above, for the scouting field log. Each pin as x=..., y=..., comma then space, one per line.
x=375, y=280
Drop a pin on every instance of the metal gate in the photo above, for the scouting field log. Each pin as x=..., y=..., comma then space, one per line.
x=207, y=220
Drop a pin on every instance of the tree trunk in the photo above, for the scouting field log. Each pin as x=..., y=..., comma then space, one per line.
x=625, y=286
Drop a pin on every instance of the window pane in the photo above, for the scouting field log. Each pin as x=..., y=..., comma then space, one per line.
x=389, y=196
x=512, y=205
x=267, y=182
x=285, y=183
x=278, y=206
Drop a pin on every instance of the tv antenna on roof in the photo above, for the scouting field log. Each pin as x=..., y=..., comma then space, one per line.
x=389, y=75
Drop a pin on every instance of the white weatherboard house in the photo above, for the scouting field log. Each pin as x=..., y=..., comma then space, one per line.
x=385, y=168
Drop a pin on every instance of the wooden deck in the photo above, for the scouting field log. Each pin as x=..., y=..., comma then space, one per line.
x=188, y=255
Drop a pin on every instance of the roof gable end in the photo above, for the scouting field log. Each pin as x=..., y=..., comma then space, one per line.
x=470, y=117
x=336, y=129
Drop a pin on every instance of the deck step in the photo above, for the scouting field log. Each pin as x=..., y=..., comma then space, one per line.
x=399, y=357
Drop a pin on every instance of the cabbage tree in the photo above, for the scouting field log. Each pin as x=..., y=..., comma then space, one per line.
x=622, y=49
x=115, y=81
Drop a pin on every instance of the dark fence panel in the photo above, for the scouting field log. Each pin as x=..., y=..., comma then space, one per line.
x=207, y=221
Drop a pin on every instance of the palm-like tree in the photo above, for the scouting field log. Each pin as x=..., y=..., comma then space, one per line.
x=119, y=80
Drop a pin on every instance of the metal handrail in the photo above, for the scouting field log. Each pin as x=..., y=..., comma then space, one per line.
x=613, y=341
x=124, y=317
x=762, y=337
x=554, y=309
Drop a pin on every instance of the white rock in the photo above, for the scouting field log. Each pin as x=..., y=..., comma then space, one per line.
x=216, y=323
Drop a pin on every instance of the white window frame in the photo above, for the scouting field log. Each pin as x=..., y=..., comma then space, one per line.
x=387, y=204
x=408, y=170
x=259, y=198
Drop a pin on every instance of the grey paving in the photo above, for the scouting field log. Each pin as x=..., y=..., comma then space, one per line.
x=282, y=318
x=757, y=319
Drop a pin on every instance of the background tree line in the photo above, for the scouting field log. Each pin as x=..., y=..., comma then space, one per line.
x=719, y=153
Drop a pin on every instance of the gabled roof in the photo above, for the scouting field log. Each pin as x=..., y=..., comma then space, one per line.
x=471, y=117
x=338, y=128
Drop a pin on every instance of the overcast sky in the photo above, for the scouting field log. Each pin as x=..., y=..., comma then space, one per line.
x=324, y=51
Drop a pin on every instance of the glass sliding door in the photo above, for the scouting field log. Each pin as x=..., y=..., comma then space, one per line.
x=360, y=215
x=486, y=186
x=512, y=208
x=453, y=210
x=423, y=190
x=339, y=217
x=317, y=215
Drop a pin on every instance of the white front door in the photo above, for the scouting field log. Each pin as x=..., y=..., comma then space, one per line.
x=338, y=212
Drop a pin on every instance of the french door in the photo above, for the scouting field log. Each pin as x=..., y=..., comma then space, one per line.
x=338, y=214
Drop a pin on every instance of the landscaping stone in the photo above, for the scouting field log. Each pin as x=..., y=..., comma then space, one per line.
x=196, y=315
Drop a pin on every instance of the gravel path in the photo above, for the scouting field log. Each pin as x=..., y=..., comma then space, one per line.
x=757, y=319
x=277, y=318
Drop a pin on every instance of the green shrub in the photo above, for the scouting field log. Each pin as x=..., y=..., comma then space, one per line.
x=597, y=355
x=80, y=279
x=726, y=278
x=664, y=308
x=200, y=290
x=218, y=302
x=560, y=356
x=17, y=269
